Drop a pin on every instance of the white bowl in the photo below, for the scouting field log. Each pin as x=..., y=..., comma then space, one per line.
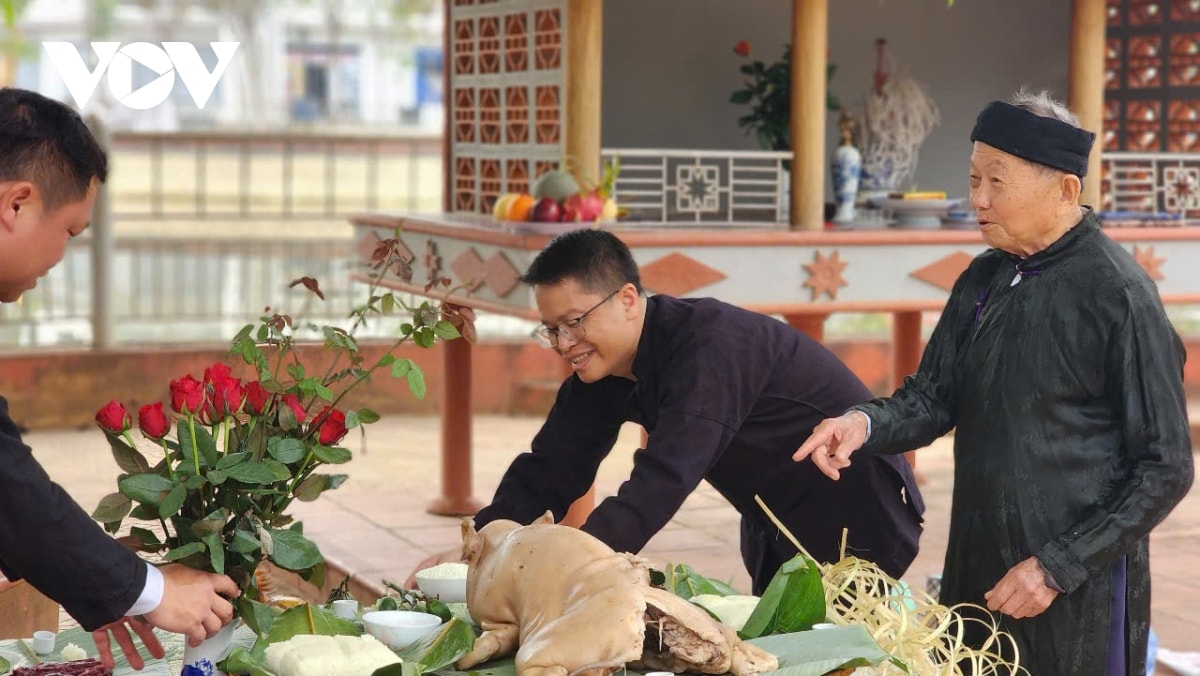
x=453, y=590
x=400, y=628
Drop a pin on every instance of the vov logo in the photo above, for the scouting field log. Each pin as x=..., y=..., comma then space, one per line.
x=117, y=61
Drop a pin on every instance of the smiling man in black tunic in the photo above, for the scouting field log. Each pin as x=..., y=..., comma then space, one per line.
x=1056, y=364
x=726, y=395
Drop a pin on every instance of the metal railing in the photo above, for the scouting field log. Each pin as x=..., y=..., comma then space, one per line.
x=702, y=186
x=185, y=289
x=252, y=175
x=1151, y=187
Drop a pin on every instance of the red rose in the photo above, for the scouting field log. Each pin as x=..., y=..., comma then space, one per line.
x=742, y=48
x=227, y=396
x=292, y=401
x=258, y=399
x=333, y=427
x=187, y=395
x=113, y=418
x=153, y=421
x=217, y=372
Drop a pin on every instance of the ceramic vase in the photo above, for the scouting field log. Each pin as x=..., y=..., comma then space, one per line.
x=203, y=659
x=846, y=170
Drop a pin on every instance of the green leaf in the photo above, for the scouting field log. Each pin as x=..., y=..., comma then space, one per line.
x=293, y=551
x=401, y=367
x=232, y=459
x=242, y=661
x=351, y=420
x=216, y=477
x=793, y=601
x=128, y=458
x=453, y=640
x=387, y=360
x=296, y=370
x=332, y=454
x=387, y=304
x=213, y=523
x=173, y=502
x=113, y=508
x=445, y=330
x=264, y=472
x=216, y=552
x=312, y=487
x=184, y=551
x=410, y=669
x=286, y=449
x=193, y=482
x=813, y=653
x=424, y=337
x=310, y=619
x=324, y=392
x=146, y=488
x=416, y=381
x=258, y=616
x=406, y=329
x=741, y=96
x=685, y=583
x=366, y=416
x=148, y=537
x=243, y=542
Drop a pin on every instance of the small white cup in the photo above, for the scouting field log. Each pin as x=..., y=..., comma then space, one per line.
x=824, y=625
x=43, y=642
x=346, y=609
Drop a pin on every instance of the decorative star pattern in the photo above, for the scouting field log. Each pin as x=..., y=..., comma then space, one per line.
x=1149, y=262
x=825, y=275
x=1181, y=188
x=696, y=189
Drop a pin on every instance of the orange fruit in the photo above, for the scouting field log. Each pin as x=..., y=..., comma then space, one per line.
x=520, y=208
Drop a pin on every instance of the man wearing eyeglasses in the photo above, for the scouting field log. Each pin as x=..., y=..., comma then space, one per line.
x=726, y=395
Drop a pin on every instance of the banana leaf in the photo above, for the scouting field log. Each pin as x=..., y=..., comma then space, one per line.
x=453, y=640
x=685, y=583
x=793, y=601
x=803, y=653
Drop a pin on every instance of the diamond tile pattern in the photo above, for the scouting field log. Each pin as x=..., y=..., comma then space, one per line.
x=677, y=274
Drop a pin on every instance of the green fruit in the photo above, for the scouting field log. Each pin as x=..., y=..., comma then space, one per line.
x=557, y=185
x=389, y=603
x=440, y=609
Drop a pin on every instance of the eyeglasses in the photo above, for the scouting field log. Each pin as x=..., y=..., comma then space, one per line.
x=572, y=329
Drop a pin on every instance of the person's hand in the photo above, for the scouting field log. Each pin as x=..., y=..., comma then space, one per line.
x=448, y=556
x=832, y=442
x=194, y=603
x=1022, y=592
x=121, y=633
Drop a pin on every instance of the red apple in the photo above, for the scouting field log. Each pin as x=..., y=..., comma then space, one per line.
x=547, y=210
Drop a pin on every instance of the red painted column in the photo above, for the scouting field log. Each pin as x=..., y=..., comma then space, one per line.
x=812, y=324
x=906, y=355
x=456, y=498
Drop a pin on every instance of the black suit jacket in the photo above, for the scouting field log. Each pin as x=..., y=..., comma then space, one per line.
x=47, y=539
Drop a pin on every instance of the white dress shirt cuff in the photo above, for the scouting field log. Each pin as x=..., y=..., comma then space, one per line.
x=868, y=418
x=152, y=593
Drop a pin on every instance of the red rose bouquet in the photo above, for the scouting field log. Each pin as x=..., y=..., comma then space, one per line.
x=225, y=461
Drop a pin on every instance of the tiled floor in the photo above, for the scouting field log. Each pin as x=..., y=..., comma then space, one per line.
x=375, y=525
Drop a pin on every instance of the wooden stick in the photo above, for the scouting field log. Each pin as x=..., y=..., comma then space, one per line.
x=787, y=533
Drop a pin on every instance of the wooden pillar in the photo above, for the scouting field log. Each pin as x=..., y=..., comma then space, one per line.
x=584, y=47
x=1086, y=83
x=810, y=19
x=906, y=354
x=811, y=324
x=456, y=498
